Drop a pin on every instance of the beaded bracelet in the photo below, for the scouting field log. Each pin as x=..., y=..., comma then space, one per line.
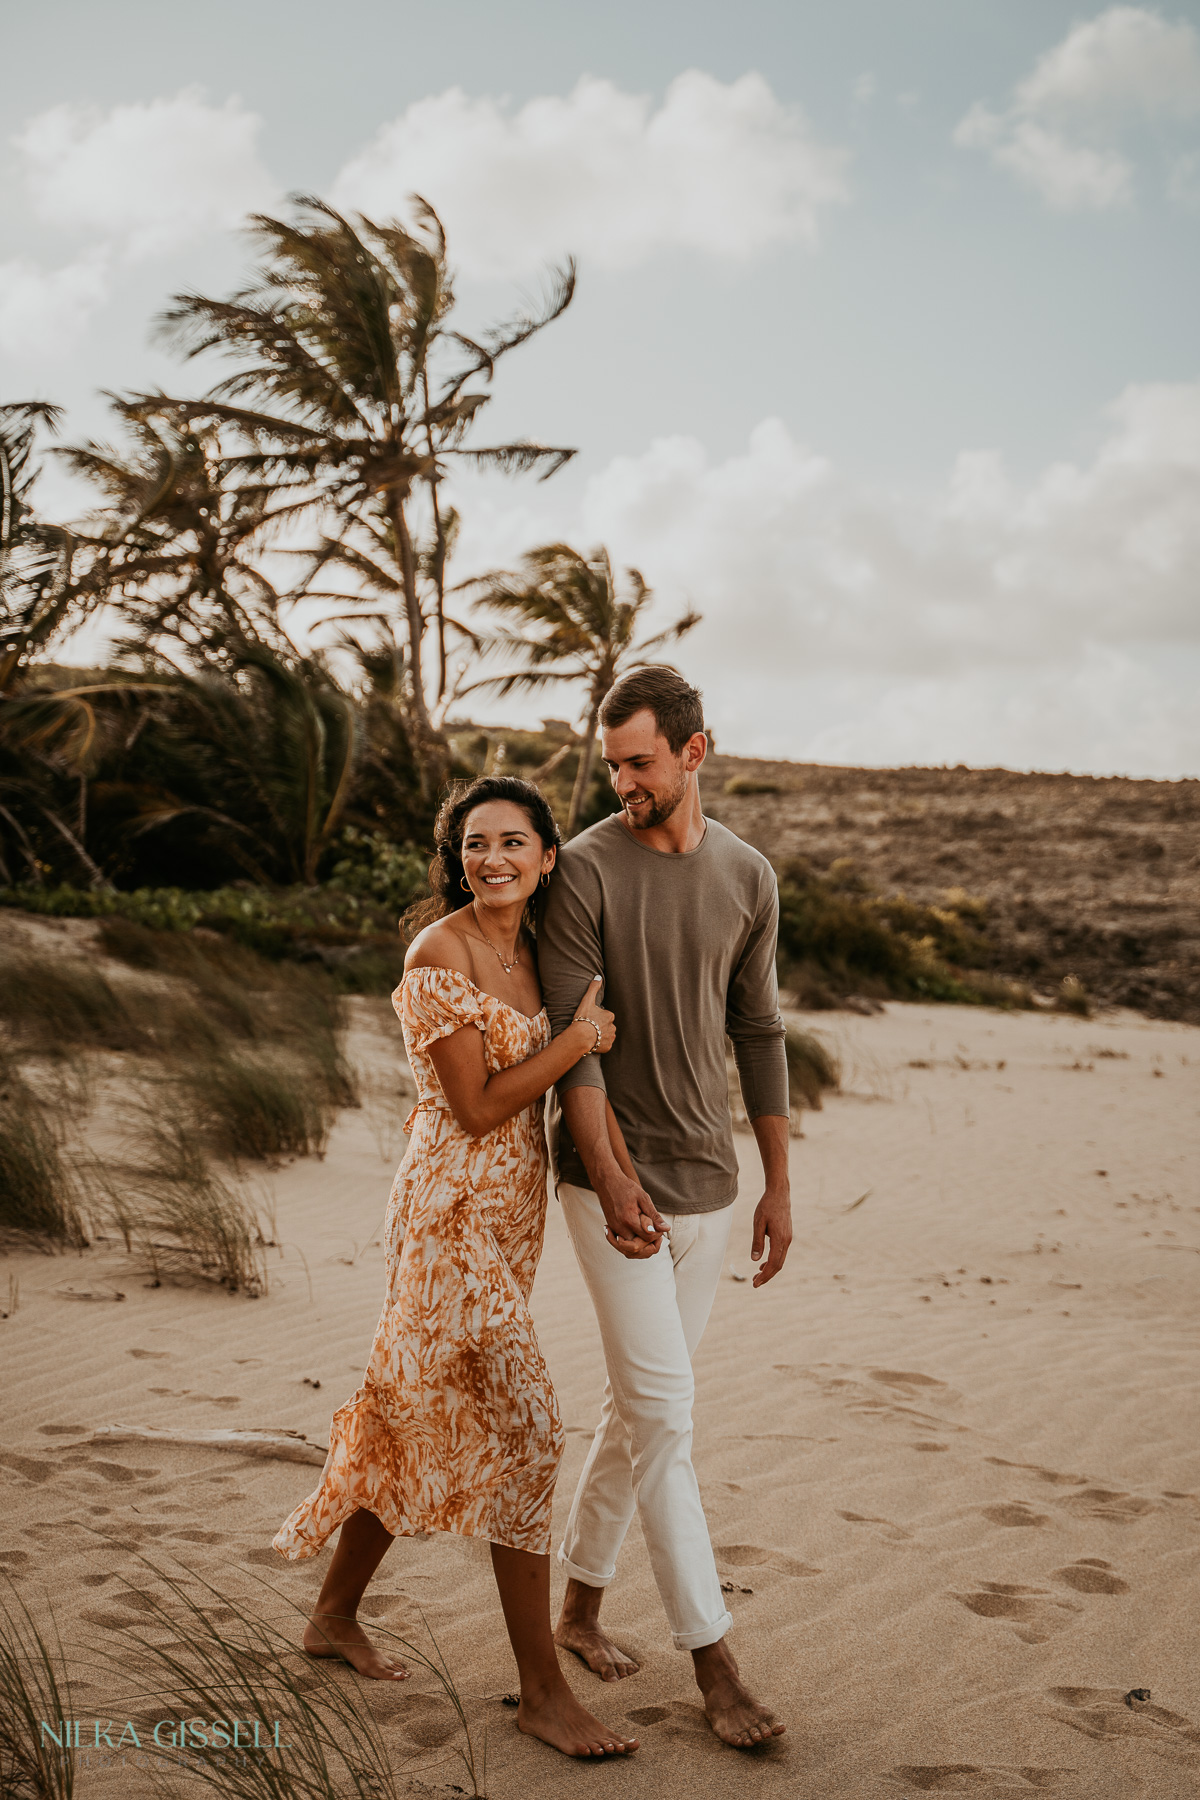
x=595, y=1027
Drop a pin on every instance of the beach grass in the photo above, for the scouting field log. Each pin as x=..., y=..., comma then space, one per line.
x=212, y=1656
x=38, y=1193
x=34, y=1686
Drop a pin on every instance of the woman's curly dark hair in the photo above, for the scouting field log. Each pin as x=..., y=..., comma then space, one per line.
x=446, y=893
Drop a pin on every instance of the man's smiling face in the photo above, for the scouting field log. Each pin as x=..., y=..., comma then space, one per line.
x=650, y=780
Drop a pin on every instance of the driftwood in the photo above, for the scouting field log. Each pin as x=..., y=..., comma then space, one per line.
x=283, y=1445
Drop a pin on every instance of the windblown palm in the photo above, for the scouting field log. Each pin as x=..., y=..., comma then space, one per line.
x=37, y=600
x=356, y=381
x=568, y=623
x=177, y=539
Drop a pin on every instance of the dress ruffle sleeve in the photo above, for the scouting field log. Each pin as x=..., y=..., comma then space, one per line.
x=435, y=1003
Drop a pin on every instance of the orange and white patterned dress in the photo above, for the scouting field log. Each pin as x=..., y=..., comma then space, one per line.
x=455, y=1426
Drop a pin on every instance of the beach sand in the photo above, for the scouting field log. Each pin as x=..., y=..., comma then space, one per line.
x=950, y=1457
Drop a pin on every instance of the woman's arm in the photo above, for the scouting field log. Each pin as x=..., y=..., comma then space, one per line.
x=480, y=1101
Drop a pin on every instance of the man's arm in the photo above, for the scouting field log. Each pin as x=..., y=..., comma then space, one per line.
x=753, y=1022
x=635, y=1225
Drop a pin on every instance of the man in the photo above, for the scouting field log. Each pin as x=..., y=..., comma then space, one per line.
x=680, y=917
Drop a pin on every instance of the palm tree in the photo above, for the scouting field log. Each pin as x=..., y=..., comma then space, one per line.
x=37, y=600
x=356, y=382
x=568, y=623
x=178, y=536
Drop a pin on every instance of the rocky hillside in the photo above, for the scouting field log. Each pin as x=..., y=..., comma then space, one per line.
x=1099, y=878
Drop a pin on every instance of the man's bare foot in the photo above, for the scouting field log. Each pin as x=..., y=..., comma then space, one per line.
x=594, y=1648
x=733, y=1712
x=327, y=1634
x=560, y=1721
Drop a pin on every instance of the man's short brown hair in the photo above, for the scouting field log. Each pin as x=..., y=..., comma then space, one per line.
x=678, y=708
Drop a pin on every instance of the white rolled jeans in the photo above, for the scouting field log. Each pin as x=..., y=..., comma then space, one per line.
x=652, y=1315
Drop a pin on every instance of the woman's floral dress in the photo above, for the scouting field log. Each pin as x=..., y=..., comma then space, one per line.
x=455, y=1427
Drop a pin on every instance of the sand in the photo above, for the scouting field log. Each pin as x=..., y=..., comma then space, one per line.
x=950, y=1457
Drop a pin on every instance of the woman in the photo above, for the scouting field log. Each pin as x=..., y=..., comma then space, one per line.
x=456, y=1427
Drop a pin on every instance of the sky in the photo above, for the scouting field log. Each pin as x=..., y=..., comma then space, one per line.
x=884, y=356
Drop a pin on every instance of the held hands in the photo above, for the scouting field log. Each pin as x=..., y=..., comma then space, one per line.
x=602, y=1024
x=633, y=1224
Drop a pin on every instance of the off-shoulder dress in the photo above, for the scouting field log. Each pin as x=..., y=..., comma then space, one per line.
x=455, y=1426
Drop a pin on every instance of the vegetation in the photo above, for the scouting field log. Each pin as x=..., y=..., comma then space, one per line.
x=34, y=1686
x=813, y=1069
x=836, y=938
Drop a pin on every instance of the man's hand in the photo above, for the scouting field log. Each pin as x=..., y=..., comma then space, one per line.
x=773, y=1214
x=634, y=1225
x=773, y=1221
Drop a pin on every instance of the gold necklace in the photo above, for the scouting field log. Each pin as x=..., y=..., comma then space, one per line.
x=508, y=967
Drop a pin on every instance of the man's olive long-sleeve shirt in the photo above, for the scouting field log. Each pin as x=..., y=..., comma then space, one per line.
x=686, y=946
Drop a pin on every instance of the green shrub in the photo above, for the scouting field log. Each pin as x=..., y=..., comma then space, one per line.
x=391, y=875
x=836, y=937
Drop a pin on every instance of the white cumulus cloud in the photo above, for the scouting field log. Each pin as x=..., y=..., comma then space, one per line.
x=43, y=312
x=723, y=167
x=1060, y=134
x=1047, y=623
x=148, y=176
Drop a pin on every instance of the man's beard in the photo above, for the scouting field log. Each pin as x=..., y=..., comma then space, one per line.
x=660, y=808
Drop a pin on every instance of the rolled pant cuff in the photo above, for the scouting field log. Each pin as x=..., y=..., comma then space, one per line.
x=698, y=1640
x=585, y=1575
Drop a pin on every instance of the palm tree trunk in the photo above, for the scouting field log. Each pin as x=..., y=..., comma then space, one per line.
x=584, y=772
x=429, y=746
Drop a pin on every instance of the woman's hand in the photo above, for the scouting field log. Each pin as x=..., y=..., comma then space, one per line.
x=590, y=1012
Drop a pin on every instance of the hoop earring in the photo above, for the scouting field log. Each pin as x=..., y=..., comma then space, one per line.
x=545, y=878
x=464, y=883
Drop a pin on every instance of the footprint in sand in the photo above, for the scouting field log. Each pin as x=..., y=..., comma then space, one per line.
x=1091, y=1575
x=972, y=1778
x=158, y=1355
x=1090, y=1502
x=746, y=1556
x=1053, y=1476
x=1034, y=1612
x=680, y=1719
x=1014, y=1513
x=1104, y=1714
x=426, y=1721
x=896, y=1533
x=1109, y=1503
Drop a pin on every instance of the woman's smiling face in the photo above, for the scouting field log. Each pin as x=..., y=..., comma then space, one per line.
x=502, y=855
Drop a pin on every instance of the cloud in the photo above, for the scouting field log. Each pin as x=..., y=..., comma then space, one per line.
x=44, y=312
x=725, y=168
x=1051, y=623
x=149, y=176
x=1057, y=136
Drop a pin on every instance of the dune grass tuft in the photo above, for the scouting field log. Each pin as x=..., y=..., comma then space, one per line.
x=259, y=1104
x=217, y=1658
x=38, y=1196
x=34, y=1686
x=179, y=1213
x=1073, y=997
x=813, y=1069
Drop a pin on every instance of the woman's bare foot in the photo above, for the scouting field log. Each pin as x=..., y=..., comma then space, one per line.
x=733, y=1712
x=329, y=1634
x=560, y=1721
x=599, y=1652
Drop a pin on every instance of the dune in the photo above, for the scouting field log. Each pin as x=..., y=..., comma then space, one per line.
x=950, y=1457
